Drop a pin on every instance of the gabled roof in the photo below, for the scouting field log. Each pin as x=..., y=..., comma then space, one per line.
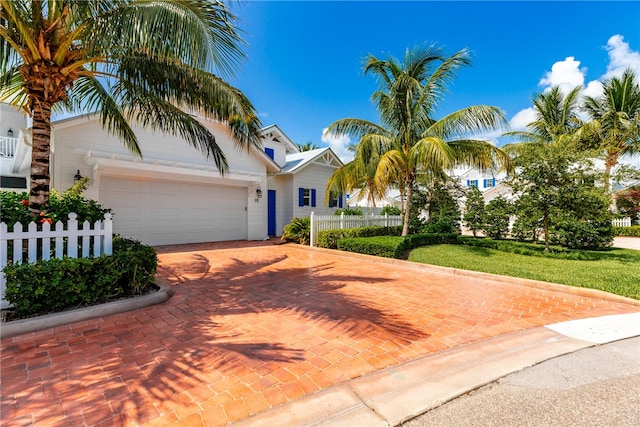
x=274, y=133
x=322, y=156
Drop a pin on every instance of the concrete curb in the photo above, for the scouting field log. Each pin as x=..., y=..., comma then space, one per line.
x=23, y=326
x=400, y=393
x=556, y=287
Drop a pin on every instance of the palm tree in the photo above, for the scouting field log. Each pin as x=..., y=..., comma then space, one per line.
x=411, y=141
x=307, y=146
x=615, y=125
x=359, y=174
x=556, y=118
x=543, y=152
x=149, y=61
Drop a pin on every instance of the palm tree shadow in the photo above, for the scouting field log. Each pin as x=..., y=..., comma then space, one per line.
x=236, y=287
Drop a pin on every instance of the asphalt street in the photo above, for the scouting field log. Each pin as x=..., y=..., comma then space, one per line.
x=596, y=386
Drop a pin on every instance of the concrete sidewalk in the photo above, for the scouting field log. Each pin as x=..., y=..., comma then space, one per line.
x=595, y=386
x=394, y=395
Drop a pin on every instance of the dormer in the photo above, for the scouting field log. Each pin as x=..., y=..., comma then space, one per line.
x=277, y=145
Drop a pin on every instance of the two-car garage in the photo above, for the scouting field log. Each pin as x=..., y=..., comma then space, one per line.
x=162, y=212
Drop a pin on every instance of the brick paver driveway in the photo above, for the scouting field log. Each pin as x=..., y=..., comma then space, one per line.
x=252, y=326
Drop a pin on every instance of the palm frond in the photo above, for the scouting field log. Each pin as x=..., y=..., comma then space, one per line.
x=481, y=155
x=468, y=121
x=355, y=128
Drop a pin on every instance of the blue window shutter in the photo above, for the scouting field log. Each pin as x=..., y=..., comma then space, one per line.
x=468, y=183
x=340, y=200
x=300, y=196
x=331, y=199
x=493, y=182
x=313, y=198
x=269, y=152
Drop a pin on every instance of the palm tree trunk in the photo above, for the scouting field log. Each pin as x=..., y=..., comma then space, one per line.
x=407, y=211
x=40, y=158
x=609, y=163
x=546, y=230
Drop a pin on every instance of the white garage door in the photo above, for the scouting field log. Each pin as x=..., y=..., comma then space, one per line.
x=167, y=212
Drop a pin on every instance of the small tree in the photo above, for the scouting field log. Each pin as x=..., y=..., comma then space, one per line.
x=474, y=210
x=628, y=203
x=529, y=219
x=497, y=215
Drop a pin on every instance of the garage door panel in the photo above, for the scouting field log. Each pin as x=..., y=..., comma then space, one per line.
x=165, y=212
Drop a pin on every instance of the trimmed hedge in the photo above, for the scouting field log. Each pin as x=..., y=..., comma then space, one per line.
x=532, y=249
x=633, y=231
x=393, y=246
x=329, y=239
x=60, y=284
x=384, y=246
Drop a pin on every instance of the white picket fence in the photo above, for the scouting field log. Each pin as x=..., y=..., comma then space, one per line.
x=622, y=222
x=72, y=241
x=337, y=222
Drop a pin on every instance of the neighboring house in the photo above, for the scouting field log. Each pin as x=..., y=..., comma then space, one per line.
x=299, y=187
x=474, y=178
x=174, y=194
x=13, y=128
x=488, y=182
x=392, y=198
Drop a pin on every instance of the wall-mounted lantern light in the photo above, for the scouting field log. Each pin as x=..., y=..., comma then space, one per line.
x=10, y=133
x=259, y=192
x=77, y=177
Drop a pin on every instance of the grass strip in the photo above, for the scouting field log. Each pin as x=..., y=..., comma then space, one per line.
x=616, y=270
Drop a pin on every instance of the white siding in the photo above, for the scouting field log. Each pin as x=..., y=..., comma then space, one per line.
x=82, y=144
x=279, y=151
x=314, y=177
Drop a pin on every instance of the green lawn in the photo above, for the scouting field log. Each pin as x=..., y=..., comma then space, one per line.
x=616, y=270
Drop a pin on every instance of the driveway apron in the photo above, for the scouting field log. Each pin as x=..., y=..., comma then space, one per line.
x=255, y=325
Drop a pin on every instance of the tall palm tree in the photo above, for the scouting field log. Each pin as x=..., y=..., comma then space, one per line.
x=411, y=141
x=149, y=61
x=615, y=125
x=556, y=118
x=544, y=150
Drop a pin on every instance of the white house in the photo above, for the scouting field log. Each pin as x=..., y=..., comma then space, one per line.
x=174, y=194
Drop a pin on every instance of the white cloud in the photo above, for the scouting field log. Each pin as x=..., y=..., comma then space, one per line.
x=567, y=74
x=593, y=89
x=522, y=118
x=338, y=144
x=621, y=57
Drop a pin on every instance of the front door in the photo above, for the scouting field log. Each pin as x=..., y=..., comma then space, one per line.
x=271, y=209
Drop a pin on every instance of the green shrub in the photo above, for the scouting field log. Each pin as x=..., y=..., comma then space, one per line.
x=60, y=284
x=298, y=231
x=13, y=207
x=633, y=231
x=417, y=240
x=329, y=239
x=496, y=217
x=349, y=212
x=393, y=246
x=440, y=226
x=384, y=246
x=390, y=210
x=580, y=234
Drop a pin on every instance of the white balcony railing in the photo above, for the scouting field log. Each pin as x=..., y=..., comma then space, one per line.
x=8, y=146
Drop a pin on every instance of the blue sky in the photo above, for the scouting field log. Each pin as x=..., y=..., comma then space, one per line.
x=304, y=58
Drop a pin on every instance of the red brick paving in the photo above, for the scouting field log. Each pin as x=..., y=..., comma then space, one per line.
x=255, y=325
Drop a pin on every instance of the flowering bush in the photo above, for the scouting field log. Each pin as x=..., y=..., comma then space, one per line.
x=14, y=207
